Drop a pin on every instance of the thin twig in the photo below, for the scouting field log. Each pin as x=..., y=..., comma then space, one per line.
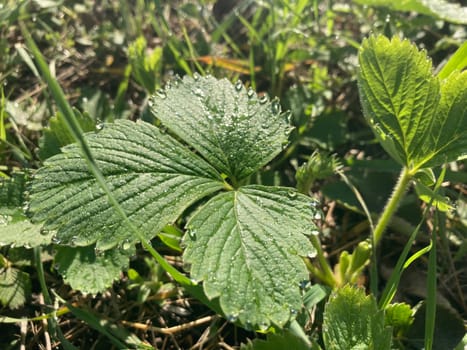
x=169, y=330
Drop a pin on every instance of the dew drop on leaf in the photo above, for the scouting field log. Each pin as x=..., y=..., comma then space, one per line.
x=292, y=193
x=238, y=85
x=303, y=284
x=315, y=232
x=44, y=231
x=232, y=318
x=191, y=233
x=198, y=92
x=250, y=93
x=56, y=240
x=99, y=126
x=318, y=216
x=161, y=93
x=196, y=76
x=276, y=107
x=126, y=245
x=263, y=99
x=313, y=204
x=293, y=311
x=5, y=219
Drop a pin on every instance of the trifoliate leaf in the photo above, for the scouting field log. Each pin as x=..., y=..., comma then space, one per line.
x=231, y=127
x=353, y=321
x=89, y=272
x=246, y=246
x=15, y=287
x=417, y=121
x=442, y=9
x=153, y=177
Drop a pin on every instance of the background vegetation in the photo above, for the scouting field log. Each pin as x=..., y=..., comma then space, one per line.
x=111, y=55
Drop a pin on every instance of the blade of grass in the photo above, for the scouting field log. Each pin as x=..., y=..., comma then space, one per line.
x=77, y=133
x=54, y=330
x=192, y=52
x=430, y=316
x=458, y=61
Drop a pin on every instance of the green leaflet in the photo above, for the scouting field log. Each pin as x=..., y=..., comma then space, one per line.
x=353, y=321
x=231, y=127
x=419, y=122
x=89, y=272
x=442, y=9
x=153, y=177
x=246, y=246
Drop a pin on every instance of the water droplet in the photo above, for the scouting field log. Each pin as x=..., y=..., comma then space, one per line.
x=56, y=240
x=198, y=92
x=311, y=255
x=191, y=232
x=314, y=204
x=315, y=233
x=161, y=93
x=303, y=284
x=126, y=245
x=293, y=311
x=73, y=240
x=238, y=85
x=57, y=266
x=196, y=76
x=195, y=282
x=232, y=318
x=292, y=193
x=250, y=93
x=317, y=216
x=99, y=126
x=263, y=326
x=276, y=107
x=265, y=125
x=5, y=219
x=263, y=99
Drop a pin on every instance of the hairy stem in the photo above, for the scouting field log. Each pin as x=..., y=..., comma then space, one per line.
x=392, y=205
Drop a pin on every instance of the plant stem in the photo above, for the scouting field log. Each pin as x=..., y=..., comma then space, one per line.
x=392, y=204
x=325, y=273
